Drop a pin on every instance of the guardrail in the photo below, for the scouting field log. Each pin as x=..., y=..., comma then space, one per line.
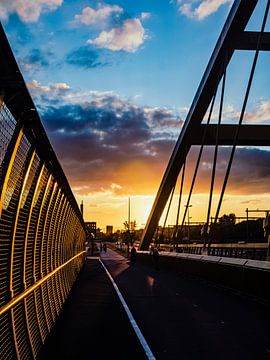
x=254, y=251
x=258, y=264
x=249, y=276
x=42, y=232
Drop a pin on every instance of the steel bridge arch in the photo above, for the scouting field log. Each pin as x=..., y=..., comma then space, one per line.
x=233, y=37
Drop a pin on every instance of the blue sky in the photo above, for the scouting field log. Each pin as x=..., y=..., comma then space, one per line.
x=113, y=81
x=156, y=72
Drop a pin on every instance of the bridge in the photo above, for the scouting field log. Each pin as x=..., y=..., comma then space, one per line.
x=198, y=305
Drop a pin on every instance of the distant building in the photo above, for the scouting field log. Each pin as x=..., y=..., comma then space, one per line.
x=109, y=230
x=91, y=227
x=100, y=234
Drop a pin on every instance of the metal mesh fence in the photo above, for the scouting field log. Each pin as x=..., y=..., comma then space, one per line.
x=42, y=233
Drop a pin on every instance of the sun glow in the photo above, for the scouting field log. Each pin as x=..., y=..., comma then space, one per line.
x=107, y=208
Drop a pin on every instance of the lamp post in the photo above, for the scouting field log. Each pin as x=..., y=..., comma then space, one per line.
x=128, y=238
x=188, y=206
x=247, y=226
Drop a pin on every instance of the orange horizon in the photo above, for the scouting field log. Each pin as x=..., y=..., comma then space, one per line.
x=111, y=209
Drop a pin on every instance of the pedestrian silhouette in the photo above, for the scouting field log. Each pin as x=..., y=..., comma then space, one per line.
x=155, y=255
x=133, y=254
x=100, y=247
x=105, y=247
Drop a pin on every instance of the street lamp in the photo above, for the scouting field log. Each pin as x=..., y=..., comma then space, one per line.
x=188, y=218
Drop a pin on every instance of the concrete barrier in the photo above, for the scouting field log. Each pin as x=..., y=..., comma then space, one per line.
x=249, y=276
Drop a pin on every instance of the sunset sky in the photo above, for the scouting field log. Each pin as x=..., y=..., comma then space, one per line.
x=113, y=81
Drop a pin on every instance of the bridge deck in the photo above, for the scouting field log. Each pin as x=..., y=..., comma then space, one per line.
x=93, y=324
x=181, y=317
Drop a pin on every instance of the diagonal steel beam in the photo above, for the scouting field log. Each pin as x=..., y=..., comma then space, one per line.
x=235, y=25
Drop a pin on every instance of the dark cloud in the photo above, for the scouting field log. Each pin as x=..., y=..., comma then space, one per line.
x=110, y=140
x=97, y=143
x=108, y=125
x=164, y=118
x=38, y=57
x=35, y=59
x=85, y=57
x=250, y=172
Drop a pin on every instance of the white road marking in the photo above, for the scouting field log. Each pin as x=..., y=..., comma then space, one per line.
x=136, y=328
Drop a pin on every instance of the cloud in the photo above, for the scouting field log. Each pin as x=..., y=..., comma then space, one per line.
x=128, y=37
x=103, y=139
x=28, y=10
x=250, y=172
x=98, y=142
x=35, y=60
x=257, y=112
x=52, y=92
x=145, y=15
x=260, y=114
x=90, y=16
x=115, y=186
x=85, y=57
x=125, y=33
x=164, y=117
x=203, y=10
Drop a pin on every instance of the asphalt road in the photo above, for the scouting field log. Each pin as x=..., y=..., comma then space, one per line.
x=181, y=317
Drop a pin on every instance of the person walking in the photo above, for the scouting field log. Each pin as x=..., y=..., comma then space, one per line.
x=104, y=247
x=133, y=255
x=155, y=255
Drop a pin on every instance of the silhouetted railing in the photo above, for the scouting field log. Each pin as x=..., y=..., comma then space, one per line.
x=254, y=251
x=41, y=228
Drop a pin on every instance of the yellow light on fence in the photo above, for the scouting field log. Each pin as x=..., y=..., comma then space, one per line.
x=20, y=297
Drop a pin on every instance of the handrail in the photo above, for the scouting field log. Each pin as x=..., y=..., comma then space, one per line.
x=18, y=298
x=230, y=245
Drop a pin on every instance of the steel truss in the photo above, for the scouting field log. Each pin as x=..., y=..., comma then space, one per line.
x=233, y=37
